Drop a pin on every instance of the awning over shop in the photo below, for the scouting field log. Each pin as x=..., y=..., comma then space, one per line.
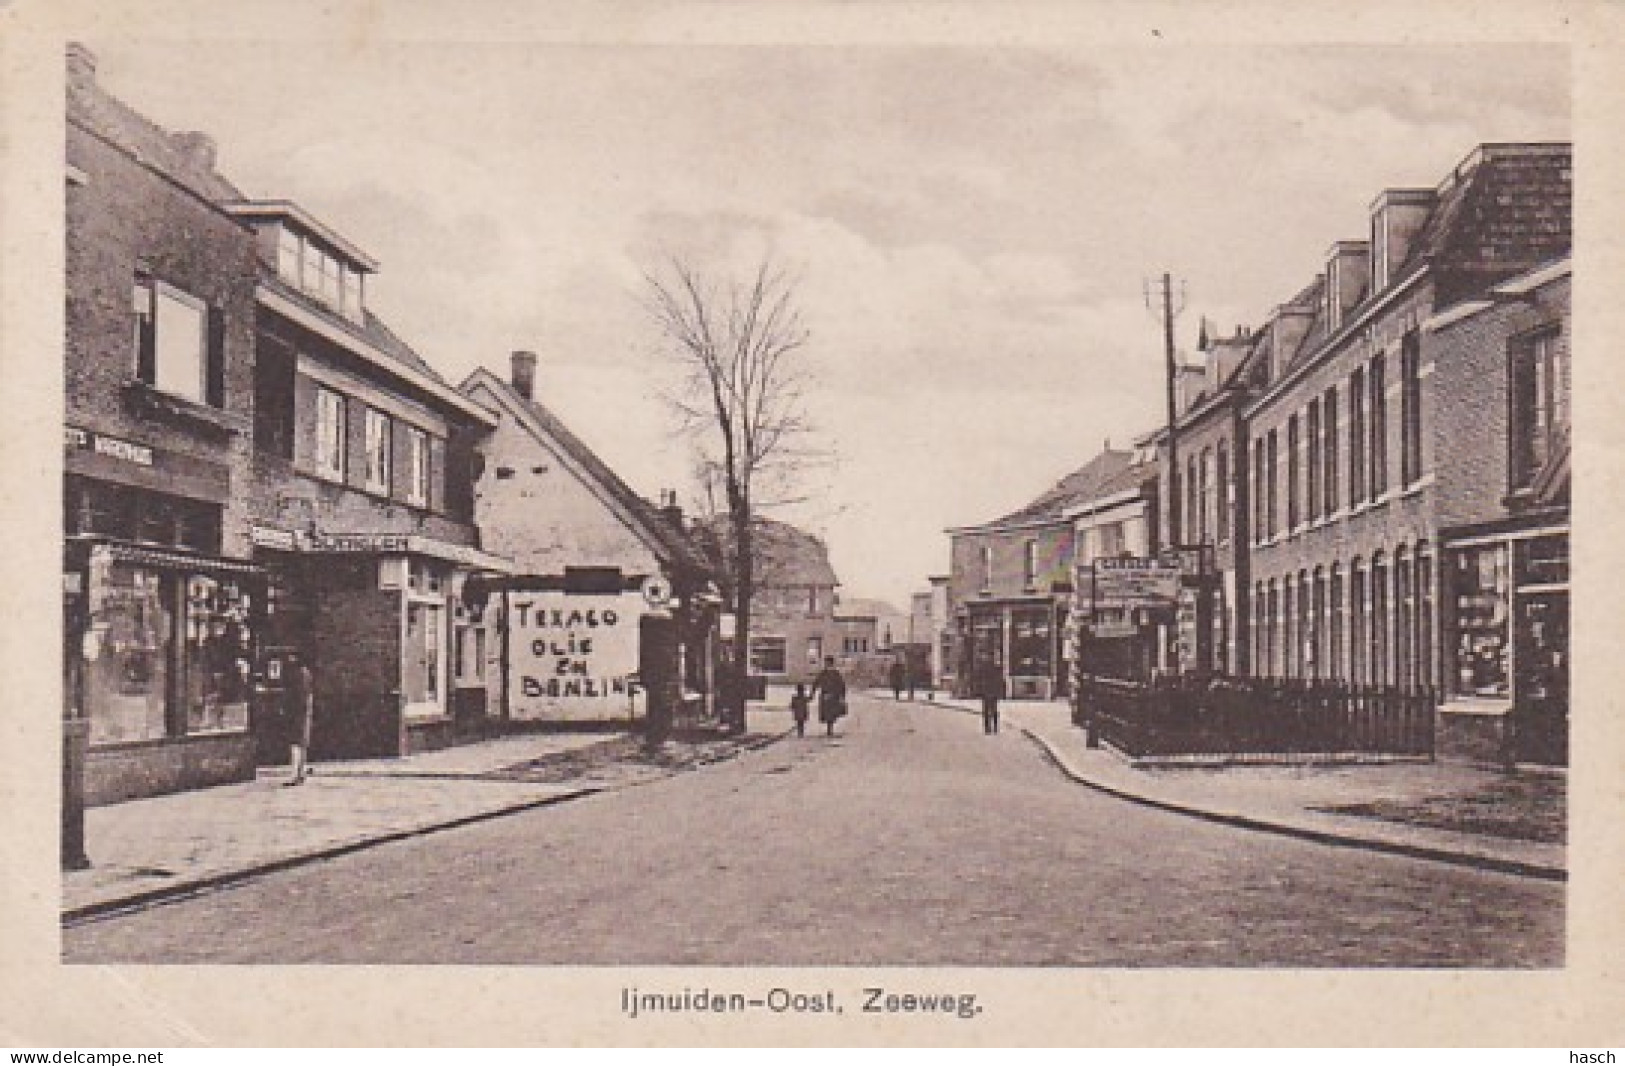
x=379, y=544
x=166, y=559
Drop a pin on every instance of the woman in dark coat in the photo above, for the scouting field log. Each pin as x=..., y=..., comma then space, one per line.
x=831, y=689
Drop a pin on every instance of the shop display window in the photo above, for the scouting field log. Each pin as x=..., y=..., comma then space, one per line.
x=1480, y=586
x=165, y=653
x=218, y=653
x=127, y=653
x=1030, y=643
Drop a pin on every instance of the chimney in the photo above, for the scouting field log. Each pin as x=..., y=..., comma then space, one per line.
x=81, y=66
x=1397, y=217
x=1348, y=266
x=200, y=148
x=524, y=374
x=1291, y=324
x=1188, y=384
x=1224, y=355
x=669, y=510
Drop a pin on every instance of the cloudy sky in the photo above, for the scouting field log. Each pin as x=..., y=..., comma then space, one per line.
x=972, y=226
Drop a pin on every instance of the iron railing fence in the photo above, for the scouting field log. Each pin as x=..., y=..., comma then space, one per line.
x=1231, y=716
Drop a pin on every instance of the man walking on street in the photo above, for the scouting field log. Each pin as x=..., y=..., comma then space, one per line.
x=990, y=686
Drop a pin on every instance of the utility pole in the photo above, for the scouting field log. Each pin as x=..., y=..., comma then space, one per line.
x=1163, y=292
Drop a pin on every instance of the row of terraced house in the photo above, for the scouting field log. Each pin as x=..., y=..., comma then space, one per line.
x=1371, y=486
x=255, y=465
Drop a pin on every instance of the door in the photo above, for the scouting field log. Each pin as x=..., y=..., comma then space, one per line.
x=1541, y=686
x=423, y=658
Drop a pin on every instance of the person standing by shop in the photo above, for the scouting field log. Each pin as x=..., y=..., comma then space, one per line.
x=990, y=686
x=897, y=678
x=298, y=709
x=831, y=689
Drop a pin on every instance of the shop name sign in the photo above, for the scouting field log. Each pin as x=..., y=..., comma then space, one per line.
x=78, y=439
x=572, y=656
x=1133, y=582
x=358, y=542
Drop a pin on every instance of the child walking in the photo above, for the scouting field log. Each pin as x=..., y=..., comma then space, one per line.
x=800, y=705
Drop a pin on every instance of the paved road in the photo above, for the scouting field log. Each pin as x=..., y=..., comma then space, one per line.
x=910, y=839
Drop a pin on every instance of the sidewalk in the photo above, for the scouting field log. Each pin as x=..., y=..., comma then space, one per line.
x=151, y=849
x=1402, y=803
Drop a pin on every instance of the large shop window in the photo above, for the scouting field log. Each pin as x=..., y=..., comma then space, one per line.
x=1480, y=585
x=167, y=652
x=767, y=655
x=177, y=342
x=1030, y=643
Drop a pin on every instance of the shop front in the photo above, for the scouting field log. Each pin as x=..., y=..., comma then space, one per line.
x=398, y=657
x=162, y=651
x=1506, y=644
x=1028, y=641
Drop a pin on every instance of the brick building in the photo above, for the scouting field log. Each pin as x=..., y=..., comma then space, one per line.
x=1209, y=632
x=1118, y=519
x=256, y=464
x=1356, y=442
x=580, y=538
x=1010, y=584
x=793, y=625
x=162, y=602
x=1502, y=505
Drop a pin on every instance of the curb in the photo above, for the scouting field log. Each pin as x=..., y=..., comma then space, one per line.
x=195, y=886
x=1318, y=836
x=206, y=882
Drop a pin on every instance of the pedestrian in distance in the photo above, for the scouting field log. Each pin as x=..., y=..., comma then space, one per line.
x=990, y=686
x=897, y=678
x=800, y=705
x=298, y=709
x=831, y=689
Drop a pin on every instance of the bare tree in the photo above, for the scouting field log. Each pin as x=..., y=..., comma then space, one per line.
x=742, y=400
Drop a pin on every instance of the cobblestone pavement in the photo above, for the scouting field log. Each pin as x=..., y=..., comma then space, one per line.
x=909, y=839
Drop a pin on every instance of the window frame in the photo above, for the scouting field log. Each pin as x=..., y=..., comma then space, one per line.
x=1538, y=365
x=151, y=334
x=378, y=432
x=332, y=434
x=418, y=464
x=1410, y=409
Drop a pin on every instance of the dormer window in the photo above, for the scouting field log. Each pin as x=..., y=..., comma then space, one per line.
x=313, y=269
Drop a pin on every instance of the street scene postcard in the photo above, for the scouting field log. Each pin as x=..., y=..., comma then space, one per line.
x=848, y=522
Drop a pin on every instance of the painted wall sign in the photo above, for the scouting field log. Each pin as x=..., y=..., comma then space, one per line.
x=573, y=657
x=112, y=447
x=270, y=537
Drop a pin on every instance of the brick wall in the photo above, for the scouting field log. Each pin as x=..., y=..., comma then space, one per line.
x=1468, y=434
x=123, y=217
x=1401, y=518
x=357, y=636
x=1055, y=546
